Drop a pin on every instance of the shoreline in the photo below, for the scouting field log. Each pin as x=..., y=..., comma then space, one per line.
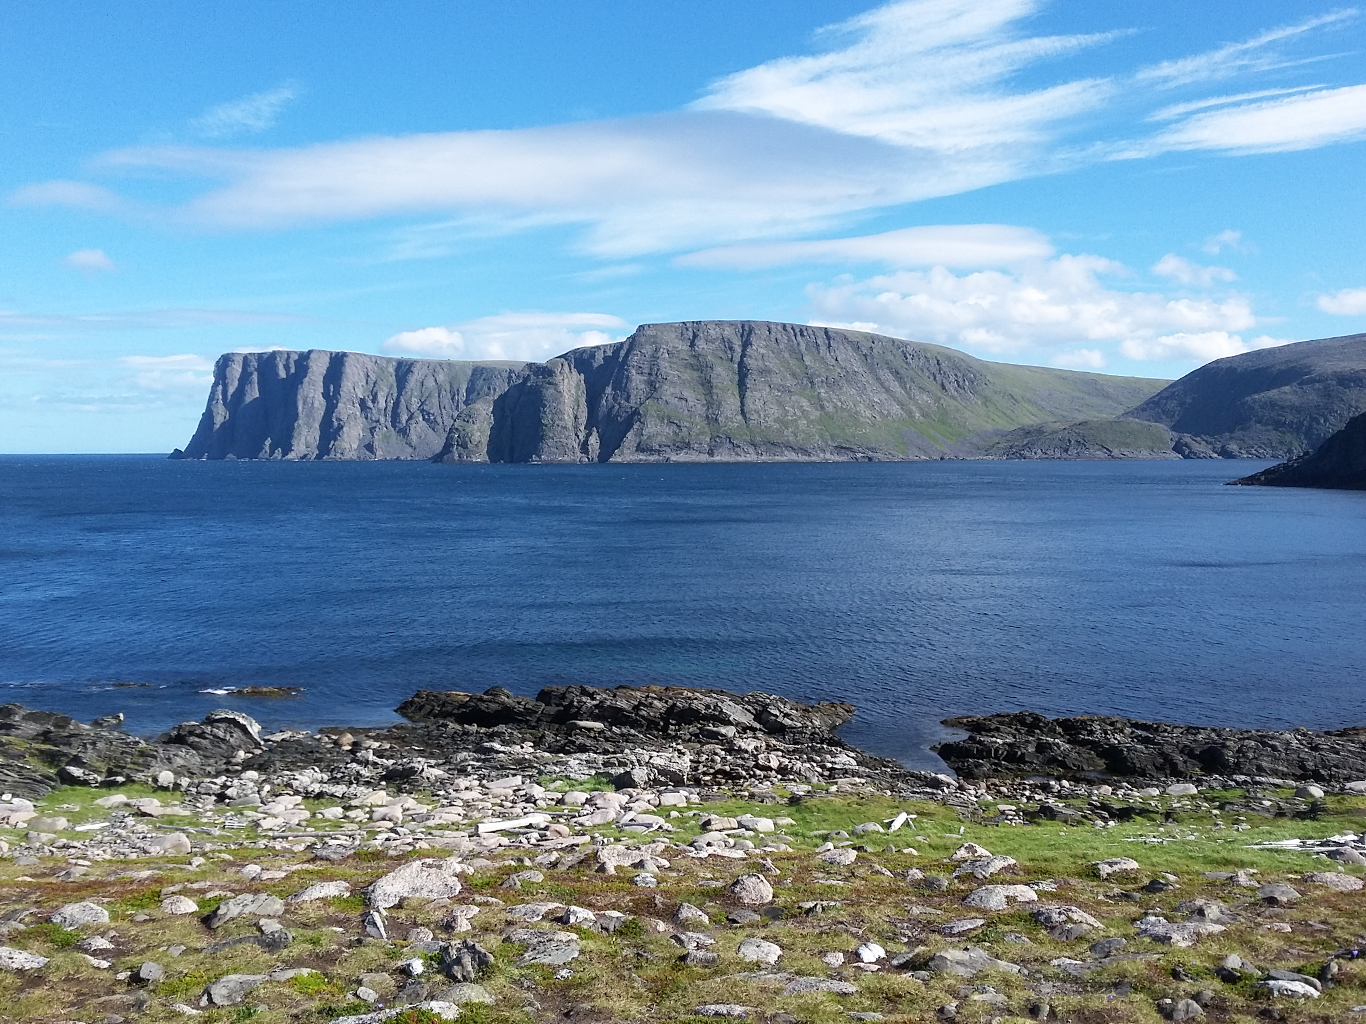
x=680, y=854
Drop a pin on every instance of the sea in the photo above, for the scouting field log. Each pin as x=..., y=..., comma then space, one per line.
x=916, y=591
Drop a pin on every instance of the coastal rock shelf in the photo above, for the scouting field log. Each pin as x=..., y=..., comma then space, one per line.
x=1025, y=743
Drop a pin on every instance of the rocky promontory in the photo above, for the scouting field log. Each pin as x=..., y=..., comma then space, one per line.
x=1339, y=463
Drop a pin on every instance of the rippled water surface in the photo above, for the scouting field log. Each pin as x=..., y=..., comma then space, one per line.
x=915, y=590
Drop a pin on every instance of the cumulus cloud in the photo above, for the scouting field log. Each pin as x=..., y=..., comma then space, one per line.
x=521, y=337
x=1180, y=269
x=245, y=116
x=77, y=195
x=1080, y=359
x=89, y=261
x=1060, y=311
x=1348, y=302
x=953, y=245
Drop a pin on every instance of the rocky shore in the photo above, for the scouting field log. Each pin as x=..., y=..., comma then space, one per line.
x=654, y=854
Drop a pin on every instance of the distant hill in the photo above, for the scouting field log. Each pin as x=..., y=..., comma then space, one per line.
x=1340, y=462
x=1089, y=439
x=1275, y=403
x=695, y=391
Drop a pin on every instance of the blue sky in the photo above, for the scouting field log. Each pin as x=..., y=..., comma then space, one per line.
x=1131, y=188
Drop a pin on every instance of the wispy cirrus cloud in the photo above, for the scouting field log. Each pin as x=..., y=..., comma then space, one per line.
x=1260, y=53
x=12, y=322
x=515, y=336
x=934, y=74
x=912, y=100
x=246, y=116
x=951, y=245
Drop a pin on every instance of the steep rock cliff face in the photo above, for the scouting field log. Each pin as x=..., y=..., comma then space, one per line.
x=1276, y=403
x=1339, y=463
x=756, y=391
x=340, y=405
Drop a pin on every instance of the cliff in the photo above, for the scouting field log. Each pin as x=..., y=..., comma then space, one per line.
x=1275, y=403
x=339, y=405
x=1340, y=463
x=756, y=391
x=704, y=390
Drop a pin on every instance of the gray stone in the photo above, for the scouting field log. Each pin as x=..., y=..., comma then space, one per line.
x=801, y=986
x=1187, y=1009
x=1277, y=894
x=722, y=1010
x=688, y=914
x=1338, y=881
x=1106, y=947
x=521, y=878
x=998, y=897
x=962, y=926
x=247, y=905
x=230, y=989
x=551, y=953
x=321, y=891
x=1115, y=865
x=701, y=958
x=1182, y=789
x=151, y=972
x=79, y=915
x=968, y=963
x=466, y=992
x=751, y=890
x=465, y=961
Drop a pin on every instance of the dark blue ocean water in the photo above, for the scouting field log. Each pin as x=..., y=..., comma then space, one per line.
x=915, y=590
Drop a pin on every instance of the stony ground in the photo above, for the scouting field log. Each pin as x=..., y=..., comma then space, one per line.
x=548, y=899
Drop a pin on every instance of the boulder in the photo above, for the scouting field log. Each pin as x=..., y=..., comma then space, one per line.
x=423, y=879
x=251, y=904
x=79, y=915
x=751, y=890
x=759, y=951
x=19, y=960
x=998, y=897
x=230, y=989
x=969, y=962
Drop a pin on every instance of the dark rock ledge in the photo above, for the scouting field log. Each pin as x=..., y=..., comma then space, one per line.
x=1025, y=743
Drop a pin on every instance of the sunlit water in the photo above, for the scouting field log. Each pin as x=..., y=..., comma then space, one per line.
x=916, y=590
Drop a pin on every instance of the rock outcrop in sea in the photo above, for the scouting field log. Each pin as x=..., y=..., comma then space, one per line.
x=1339, y=463
x=740, y=391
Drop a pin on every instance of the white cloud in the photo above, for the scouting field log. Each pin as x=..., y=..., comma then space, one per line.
x=89, y=261
x=78, y=195
x=1180, y=269
x=1227, y=239
x=1204, y=346
x=1050, y=310
x=169, y=373
x=509, y=336
x=1348, y=302
x=12, y=323
x=953, y=245
x=1306, y=121
x=1256, y=54
x=934, y=74
x=430, y=342
x=912, y=100
x=248, y=115
x=1171, y=113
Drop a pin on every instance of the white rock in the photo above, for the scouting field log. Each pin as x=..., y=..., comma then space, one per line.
x=970, y=851
x=78, y=915
x=1182, y=789
x=759, y=951
x=426, y=879
x=19, y=960
x=870, y=953
x=1339, y=881
x=177, y=904
x=1291, y=988
x=321, y=891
